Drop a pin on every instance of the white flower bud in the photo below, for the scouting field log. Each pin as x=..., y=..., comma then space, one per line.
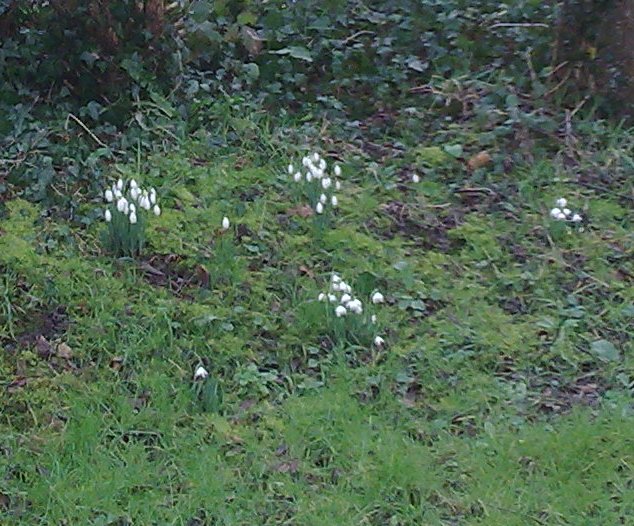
x=377, y=297
x=561, y=202
x=157, y=210
x=337, y=185
x=131, y=207
x=117, y=193
x=326, y=183
x=576, y=218
x=322, y=164
x=200, y=373
x=153, y=196
x=297, y=177
x=107, y=216
x=335, y=278
x=316, y=157
x=225, y=223
x=554, y=213
x=133, y=184
x=122, y=204
x=334, y=201
x=337, y=170
x=373, y=318
x=305, y=161
x=332, y=298
x=346, y=298
x=323, y=199
x=290, y=169
x=319, y=208
x=120, y=184
x=340, y=311
x=133, y=218
x=567, y=211
x=379, y=342
x=134, y=193
x=146, y=202
x=109, y=195
x=415, y=178
x=321, y=297
x=309, y=177
x=561, y=216
x=355, y=306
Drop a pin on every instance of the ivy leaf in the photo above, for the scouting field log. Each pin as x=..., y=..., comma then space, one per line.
x=298, y=52
x=604, y=350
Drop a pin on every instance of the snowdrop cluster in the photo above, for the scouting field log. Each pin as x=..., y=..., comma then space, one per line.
x=126, y=206
x=561, y=212
x=320, y=185
x=343, y=302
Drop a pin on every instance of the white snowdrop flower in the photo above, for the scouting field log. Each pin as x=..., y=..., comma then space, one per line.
x=561, y=202
x=133, y=218
x=152, y=196
x=200, y=373
x=373, y=318
x=305, y=161
x=379, y=342
x=321, y=297
x=290, y=169
x=336, y=286
x=576, y=218
x=109, y=195
x=316, y=157
x=133, y=184
x=297, y=177
x=332, y=298
x=107, y=216
x=341, y=311
x=554, y=213
x=567, y=211
x=377, y=297
x=146, y=202
x=120, y=184
x=415, y=178
x=319, y=208
x=117, y=193
x=337, y=170
x=337, y=185
x=318, y=173
x=323, y=199
x=225, y=223
x=326, y=183
x=334, y=201
x=309, y=177
x=561, y=216
x=355, y=306
x=134, y=193
x=346, y=298
x=322, y=164
x=345, y=288
x=132, y=208
x=335, y=278
x=122, y=204
x=157, y=210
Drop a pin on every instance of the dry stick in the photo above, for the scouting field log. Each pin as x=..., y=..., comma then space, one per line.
x=92, y=135
x=518, y=24
x=358, y=34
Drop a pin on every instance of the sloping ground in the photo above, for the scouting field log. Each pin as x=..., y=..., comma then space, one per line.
x=502, y=396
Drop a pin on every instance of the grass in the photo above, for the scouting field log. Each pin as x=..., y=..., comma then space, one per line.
x=503, y=396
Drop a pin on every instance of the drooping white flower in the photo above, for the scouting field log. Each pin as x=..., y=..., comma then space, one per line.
x=337, y=170
x=131, y=207
x=377, y=297
x=334, y=201
x=309, y=177
x=561, y=202
x=373, y=318
x=337, y=185
x=117, y=193
x=344, y=287
x=144, y=202
x=322, y=164
x=201, y=373
x=152, y=196
x=554, y=213
x=133, y=218
x=415, y=178
x=335, y=278
x=355, y=306
x=225, y=223
x=157, y=210
x=120, y=184
x=379, y=342
x=297, y=177
x=319, y=208
x=122, y=204
x=290, y=169
x=134, y=193
x=316, y=157
x=561, y=216
x=107, y=216
x=323, y=199
x=576, y=218
x=109, y=195
x=336, y=286
x=305, y=161
x=133, y=184
x=326, y=182
x=321, y=297
x=341, y=311
x=567, y=211
x=346, y=298
x=332, y=298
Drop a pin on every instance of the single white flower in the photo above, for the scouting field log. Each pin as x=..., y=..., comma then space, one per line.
x=346, y=298
x=290, y=169
x=554, y=213
x=337, y=185
x=332, y=298
x=309, y=177
x=340, y=311
x=561, y=202
x=318, y=174
x=122, y=204
x=415, y=178
x=131, y=207
x=377, y=297
x=344, y=287
x=297, y=177
x=326, y=183
x=335, y=278
x=322, y=164
x=133, y=184
x=305, y=161
x=117, y=193
x=120, y=184
x=133, y=218
x=355, y=306
x=561, y=216
x=567, y=211
x=157, y=210
x=109, y=195
x=200, y=373
x=225, y=223
x=576, y=218
x=316, y=157
x=323, y=199
x=337, y=170
x=336, y=286
x=373, y=318
x=107, y=216
x=134, y=193
x=144, y=202
x=319, y=208
x=334, y=201
x=152, y=196
x=321, y=297
x=379, y=342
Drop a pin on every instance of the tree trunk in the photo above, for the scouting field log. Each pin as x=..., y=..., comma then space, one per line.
x=596, y=39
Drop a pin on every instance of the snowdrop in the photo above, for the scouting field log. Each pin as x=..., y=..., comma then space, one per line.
x=335, y=278
x=334, y=201
x=297, y=177
x=290, y=169
x=337, y=185
x=109, y=195
x=379, y=342
x=157, y=210
x=332, y=298
x=326, y=183
x=576, y=218
x=322, y=165
x=337, y=170
x=120, y=185
x=415, y=178
x=107, y=216
x=133, y=218
x=561, y=213
x=133, y=184
x=225, y=223
x=321, y=297
x=316, y=157
x=122, y=205
x=319, y=208
x=346, y=298
x=373, y=318
x=201, y=373
x=323, y=199
x=152, y=196
x=377, y=297
x=561, y=202
x=355, y=306
x=340, y=311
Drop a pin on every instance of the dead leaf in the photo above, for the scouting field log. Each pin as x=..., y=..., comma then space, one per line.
x=64, y=351
x=116, y=363
x=202, y=276
x=306, y=271
x=301, y=211
x=251, y=41
x=18, y=383
x=290, y=466
x=43, y=347
x=479, y=160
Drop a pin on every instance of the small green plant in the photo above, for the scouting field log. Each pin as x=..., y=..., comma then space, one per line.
x=126, y=217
